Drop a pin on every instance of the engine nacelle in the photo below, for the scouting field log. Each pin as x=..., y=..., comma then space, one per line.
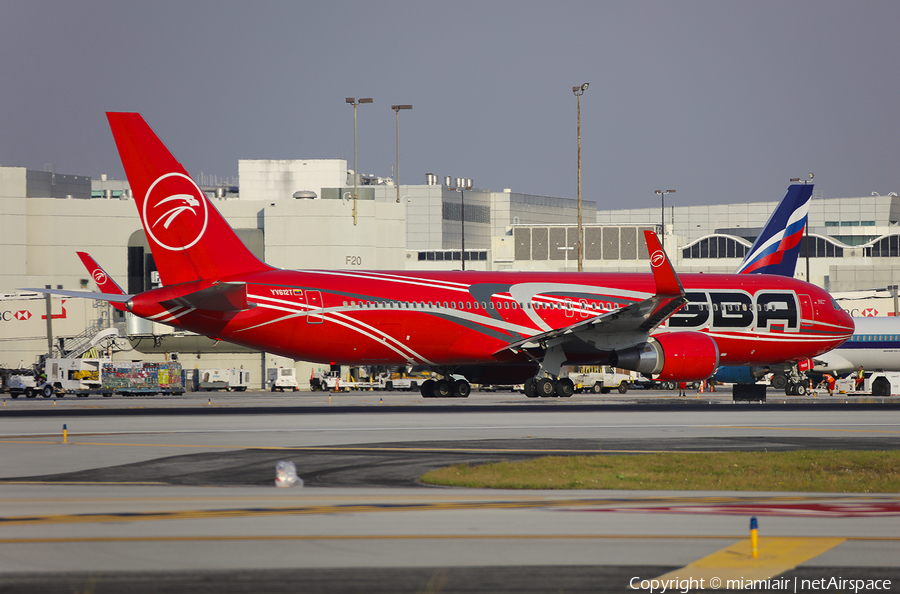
x=740, y=375
x=676, y=356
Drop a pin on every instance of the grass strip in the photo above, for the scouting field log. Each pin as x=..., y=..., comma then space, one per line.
x=837, y=471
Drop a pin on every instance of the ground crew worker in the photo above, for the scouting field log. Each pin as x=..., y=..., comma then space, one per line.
x=860, y=379
x=828, y=380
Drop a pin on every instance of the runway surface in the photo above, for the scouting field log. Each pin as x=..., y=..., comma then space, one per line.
x=164, y=494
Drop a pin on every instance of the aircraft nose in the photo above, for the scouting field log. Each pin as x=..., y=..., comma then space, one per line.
x=847, y=322
x=843, y=319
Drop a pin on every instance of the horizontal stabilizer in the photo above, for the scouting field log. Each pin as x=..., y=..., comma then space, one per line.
x=111, y=297
x=220, y=297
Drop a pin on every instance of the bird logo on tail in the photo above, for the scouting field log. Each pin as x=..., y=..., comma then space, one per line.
x=168, y=198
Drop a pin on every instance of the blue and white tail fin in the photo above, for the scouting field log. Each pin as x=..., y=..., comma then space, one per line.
x=777, y=247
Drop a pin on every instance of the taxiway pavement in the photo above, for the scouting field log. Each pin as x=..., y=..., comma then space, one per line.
x=157, y=495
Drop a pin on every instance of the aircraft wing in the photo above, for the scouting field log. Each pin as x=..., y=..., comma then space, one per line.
x=622, y=327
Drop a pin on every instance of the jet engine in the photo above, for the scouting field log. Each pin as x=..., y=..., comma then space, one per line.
x=676, y=356
x=740, y=375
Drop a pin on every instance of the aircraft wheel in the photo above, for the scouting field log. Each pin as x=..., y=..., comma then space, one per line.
x=565, y=388
x=790, y=389
x=801, y=389
x=545, y=387
x=530, y=387
x=461, y=389
x=443, y=389
x=881, y=387
x=427, y=389
x=623, y=387
x=779, y=382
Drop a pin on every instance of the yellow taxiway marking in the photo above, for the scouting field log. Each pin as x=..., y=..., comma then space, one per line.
x=735, y=563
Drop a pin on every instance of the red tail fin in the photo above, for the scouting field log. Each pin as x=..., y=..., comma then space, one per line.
x=104, y=282
x=190, y=240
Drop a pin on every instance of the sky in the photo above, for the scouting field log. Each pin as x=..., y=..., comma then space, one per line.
x=722, y=100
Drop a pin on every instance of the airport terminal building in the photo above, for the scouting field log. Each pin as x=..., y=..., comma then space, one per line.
x=302, y=214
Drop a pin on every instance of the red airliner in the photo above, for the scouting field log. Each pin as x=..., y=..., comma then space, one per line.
x=489, y=327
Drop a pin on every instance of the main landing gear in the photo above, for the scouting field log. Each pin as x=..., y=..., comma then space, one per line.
x=445, y=388
x=546, y=387
x=793, y=381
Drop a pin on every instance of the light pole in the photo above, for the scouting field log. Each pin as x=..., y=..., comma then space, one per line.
x=579, y=91
x=461, y=185
x=662, y=196
x=354, y=103
x=397, y=109
x=806, y=233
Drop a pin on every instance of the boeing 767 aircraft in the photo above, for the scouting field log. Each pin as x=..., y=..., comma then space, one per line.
x=489, y=327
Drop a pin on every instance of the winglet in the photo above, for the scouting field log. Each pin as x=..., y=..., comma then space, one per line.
x=667, y=282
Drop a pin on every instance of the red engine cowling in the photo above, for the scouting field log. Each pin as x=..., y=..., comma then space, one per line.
x=675, y=356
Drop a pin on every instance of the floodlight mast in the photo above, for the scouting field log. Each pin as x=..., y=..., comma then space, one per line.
x=462, y=184
x=579, y=91
x=352, y=101
x=662, y=196
x=397, y=109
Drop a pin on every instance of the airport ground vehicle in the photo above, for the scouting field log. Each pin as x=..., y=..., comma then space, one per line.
x=22, y=384
x=601, y=379
x=136, y=378
x=237, y=380
x=401, y=381
x=86, y=376
x=332, y=381
x=877, y=383
x=280, y=379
